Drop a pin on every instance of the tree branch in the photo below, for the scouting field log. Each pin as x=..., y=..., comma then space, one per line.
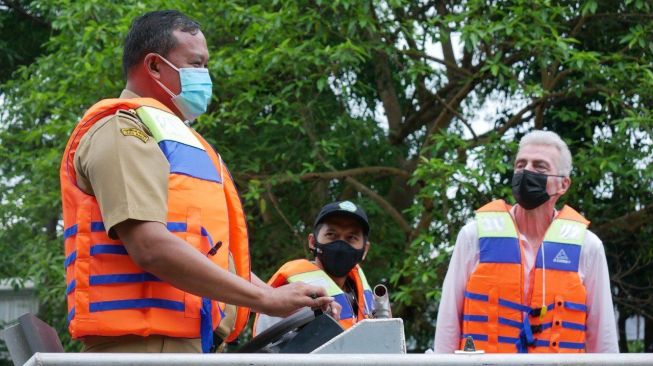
x=385, y=85
x=629, y=222
x=517, y=118
x=559, y=77
x=422, y=93
x=385, y=205
x=15, y=6
x=579, y=25
x=425, y=220
x=387, y=93
x=427, y=111
x=396, y=215
x=447, y=47
x=457, y=114
x=620, y=15
x=445, y=115
x=641, y=262
x=284, y=178
x=635, y=309
x=449, y=65
x=275, y=204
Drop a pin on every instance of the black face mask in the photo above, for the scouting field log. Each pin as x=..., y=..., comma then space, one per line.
x=529, y=188
x=338, y=257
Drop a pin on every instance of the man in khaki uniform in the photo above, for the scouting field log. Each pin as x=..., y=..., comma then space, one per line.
x=119, y=162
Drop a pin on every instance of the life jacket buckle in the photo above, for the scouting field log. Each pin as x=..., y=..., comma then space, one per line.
x=536, y=329
x=535, y=311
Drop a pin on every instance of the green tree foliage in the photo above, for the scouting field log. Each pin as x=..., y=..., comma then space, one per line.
x=411, y=108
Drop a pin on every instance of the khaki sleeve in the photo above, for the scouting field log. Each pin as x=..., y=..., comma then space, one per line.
x=121, y=164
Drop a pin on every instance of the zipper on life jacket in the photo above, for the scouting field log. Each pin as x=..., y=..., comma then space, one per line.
x=529, y=295
x=521, y=273
x=542, y=310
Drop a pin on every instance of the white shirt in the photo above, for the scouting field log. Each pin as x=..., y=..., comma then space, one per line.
x=601, y=334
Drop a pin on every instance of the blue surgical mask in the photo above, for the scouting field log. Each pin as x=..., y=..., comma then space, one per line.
x=196, y=89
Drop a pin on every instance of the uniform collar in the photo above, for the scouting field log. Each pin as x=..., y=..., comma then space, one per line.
x=128, y=94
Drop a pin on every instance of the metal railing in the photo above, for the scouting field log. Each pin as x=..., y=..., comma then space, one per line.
x=105, y=359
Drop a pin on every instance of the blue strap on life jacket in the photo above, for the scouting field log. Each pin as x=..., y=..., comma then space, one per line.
x=525, y=336
x=206, y=325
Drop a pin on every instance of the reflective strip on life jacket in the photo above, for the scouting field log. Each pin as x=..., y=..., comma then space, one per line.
x=181, y=148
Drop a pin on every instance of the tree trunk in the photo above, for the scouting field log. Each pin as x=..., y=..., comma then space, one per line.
x=648, y=335
x=623, y=342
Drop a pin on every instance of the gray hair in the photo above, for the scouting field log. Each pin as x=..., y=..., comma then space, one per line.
x=548, y=138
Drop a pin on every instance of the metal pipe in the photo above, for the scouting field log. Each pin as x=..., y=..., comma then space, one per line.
x=116, y=359
x=381, y=302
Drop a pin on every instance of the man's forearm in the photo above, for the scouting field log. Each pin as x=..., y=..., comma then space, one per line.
x=153, y=248
x=174, y=261
x=256, y=281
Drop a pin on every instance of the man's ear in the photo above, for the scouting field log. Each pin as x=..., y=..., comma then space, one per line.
x=151, y=65
x=311, y=242
x=367, y=247
x=565, y=183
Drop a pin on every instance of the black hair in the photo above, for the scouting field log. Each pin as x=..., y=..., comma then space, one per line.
x=152, y=33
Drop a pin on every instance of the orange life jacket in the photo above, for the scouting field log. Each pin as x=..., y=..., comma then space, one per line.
x=301, y=270
x=496, y=314
x=107, y=293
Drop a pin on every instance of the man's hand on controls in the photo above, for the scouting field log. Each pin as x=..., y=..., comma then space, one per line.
x=334, y=309
x=285, y=300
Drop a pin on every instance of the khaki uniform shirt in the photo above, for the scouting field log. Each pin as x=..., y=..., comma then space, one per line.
x=125, y=171
x=119, y=162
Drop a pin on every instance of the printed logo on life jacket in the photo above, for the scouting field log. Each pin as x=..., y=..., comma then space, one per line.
x=493, y=224
x=570, y=232
x=561, y=257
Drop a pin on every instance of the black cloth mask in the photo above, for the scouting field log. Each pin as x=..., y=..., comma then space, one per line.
x=338, y=257
x=529, y=188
